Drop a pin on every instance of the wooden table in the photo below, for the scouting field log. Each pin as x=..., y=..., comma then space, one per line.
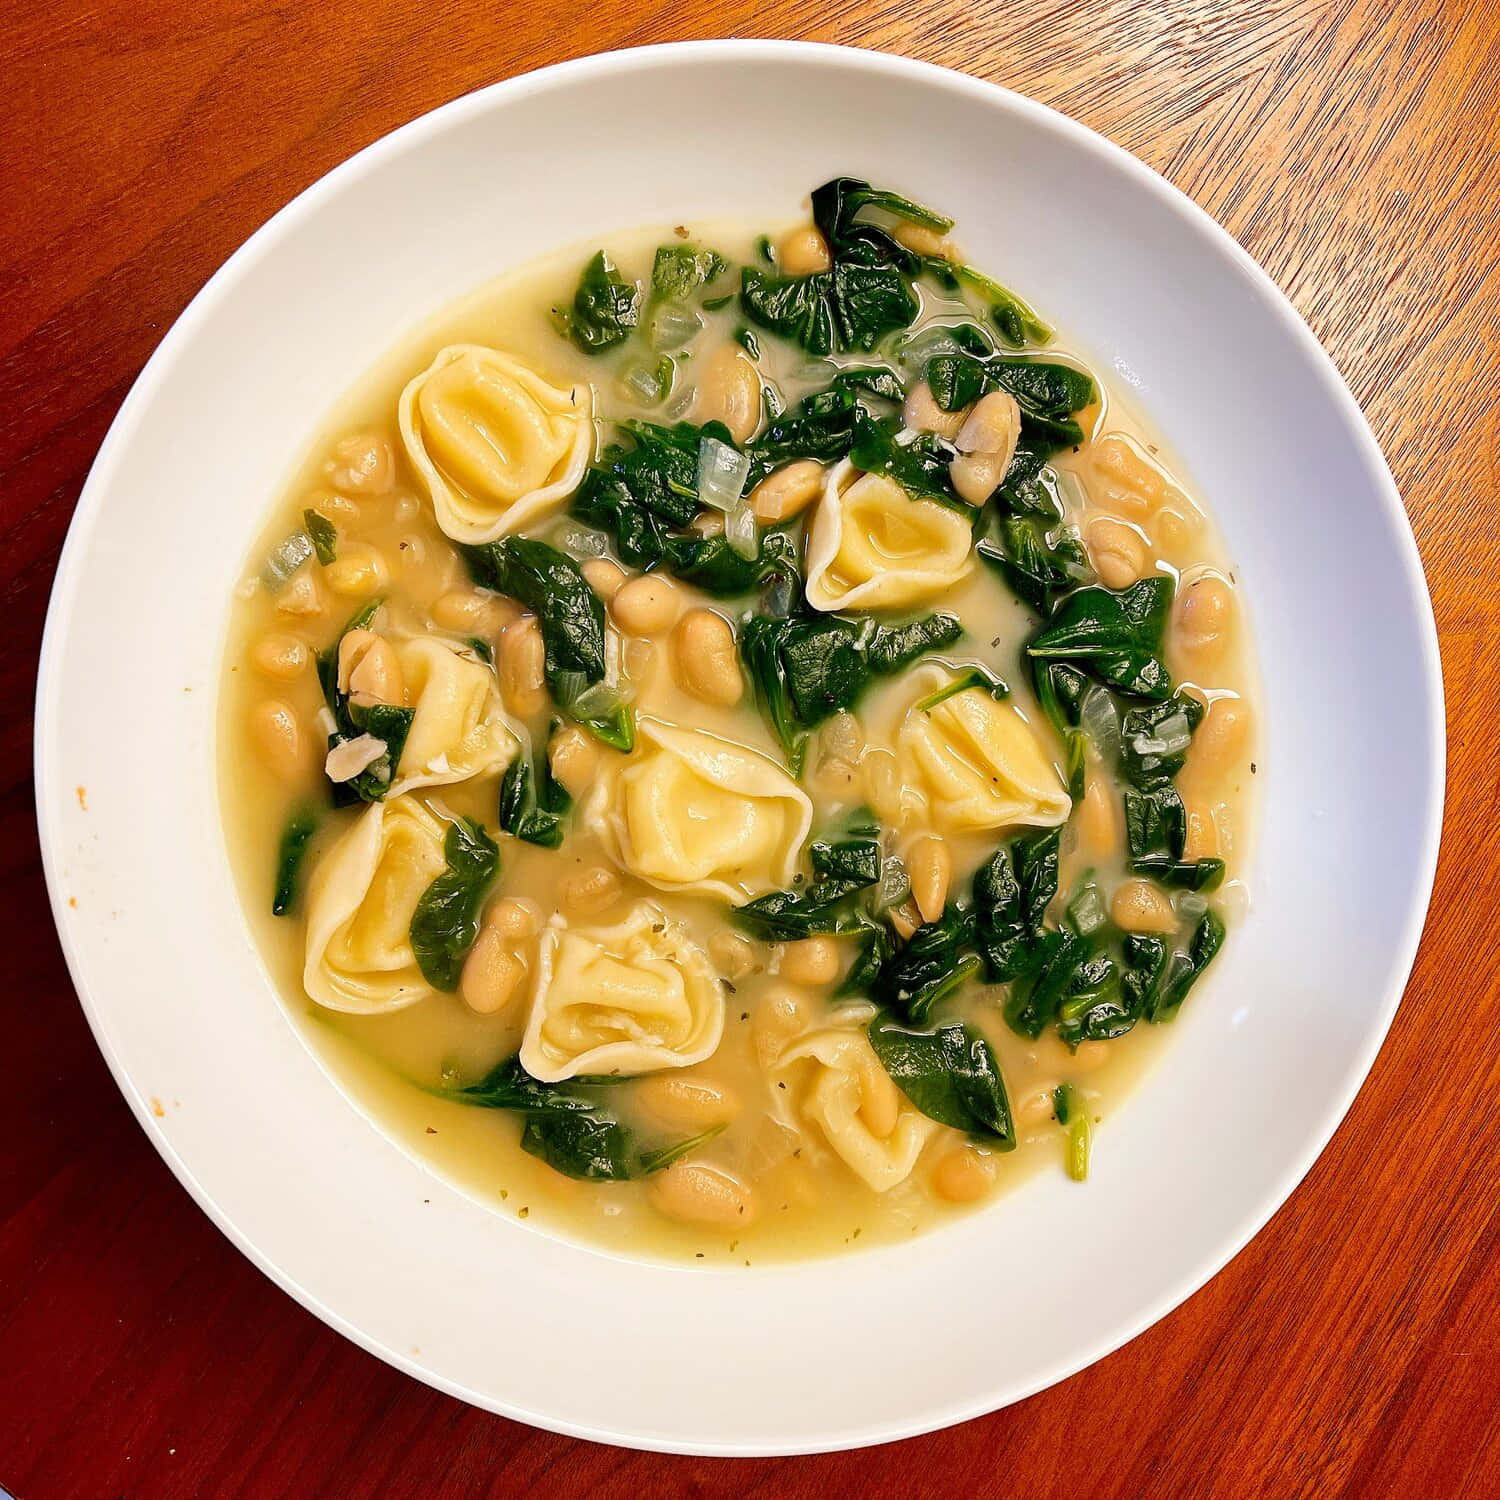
x=1354, y=1347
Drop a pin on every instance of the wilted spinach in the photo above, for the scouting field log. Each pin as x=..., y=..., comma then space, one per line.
x=680, y=270
x=865, y=294
x=568, y=1127
x=808, y=666
x=843, y=866
x=446, y=920
x=324, y=535
x=1113, y=635
x=290, y=852
x=605, y=307
x=533, y=803
x=951, y=1074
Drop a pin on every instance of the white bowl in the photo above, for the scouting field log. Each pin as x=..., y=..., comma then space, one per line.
x=1265, y=1059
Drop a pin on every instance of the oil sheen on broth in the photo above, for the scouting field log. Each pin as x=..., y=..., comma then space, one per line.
x=861, y=933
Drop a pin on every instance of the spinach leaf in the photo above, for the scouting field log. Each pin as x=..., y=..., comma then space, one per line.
x=1011, y=893
x=605, y=307
x=820, y=426
x=809, y=666
x=1035, y=996
x=951, y=1074
x=971, y=677
x=566, y=1126
x=290, y=852
x=1155, y=822
x=1114, y=635
x=550, y=584
x=324, y=534
x=1048, y=393
x=1154, y=738
x=658, y=472
x=927, y=968
x=893, y=648
x=843, y=866
x=1016, y=323
x=532, y=803
x=1158, y=980
x=446, y=920
x=919, y=466
x=1038, y=568
x=679, y=270
x=865, y=294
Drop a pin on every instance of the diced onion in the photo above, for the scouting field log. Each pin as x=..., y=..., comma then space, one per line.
x=1173, y=735
x=325, y=721
x=286, y=557
x=673, y=326
x=739, y=531
x=722, y=471
x=582, y=541
x=1190, y=905
x=894, y=885
x=1088, y=910
x=1101, y=722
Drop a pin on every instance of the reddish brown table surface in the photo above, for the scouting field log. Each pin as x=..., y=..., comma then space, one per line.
x=1354, y=1347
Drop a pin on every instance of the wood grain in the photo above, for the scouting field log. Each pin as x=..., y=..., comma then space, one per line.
x=1353, y=1349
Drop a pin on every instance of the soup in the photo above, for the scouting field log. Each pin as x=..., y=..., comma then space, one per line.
x=741, y=748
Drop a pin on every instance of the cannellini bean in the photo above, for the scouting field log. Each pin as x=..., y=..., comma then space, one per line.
x=513, y=918
x=471, y=612
x=350, y=758
x=358, y=571
x=700, y=1194
x=729, y=392
x=492, y=974
x=280, y=656
x=801, y=252
x=1202, y=840
x=1140, y=906
x=1174, y=533
x=931, y=867
x=1097, y=819
x=276, y=733
x=574, y=757
x=812, y=961
x=1117, y=551
x=841, y=737
x=1220, y=741
x=986, y=445
x=963, y=1174
x=1035, y=1107
x=880, y=1102
x=589, y=890
x=779, y=1015
x=363, y=464
x=688, y=1103
x=1090, y=1057
x=604, y=576
x=707, y=664
x=882, y=778
x=368, y=669
x=906, y=918
x=520, y=661
x=1203, y=621
x=1125, y=479
x=922, y=413
x=787, y=492
x=733, y=955
x=646, y=605
x=303, y=596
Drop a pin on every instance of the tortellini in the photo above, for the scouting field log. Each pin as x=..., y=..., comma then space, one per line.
x=866, y=1119
x=497, y=447
x=359, y=909
x=459, y=728
x=871, y=546
x=691, y=811
x=975, y=761
x=634, y=998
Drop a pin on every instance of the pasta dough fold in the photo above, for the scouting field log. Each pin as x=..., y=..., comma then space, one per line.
x=497, y=447
x=637, y=997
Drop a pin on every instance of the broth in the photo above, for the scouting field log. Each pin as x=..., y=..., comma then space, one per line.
x=402, y=1065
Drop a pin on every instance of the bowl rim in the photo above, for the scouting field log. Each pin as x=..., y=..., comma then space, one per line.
x=688, y=54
